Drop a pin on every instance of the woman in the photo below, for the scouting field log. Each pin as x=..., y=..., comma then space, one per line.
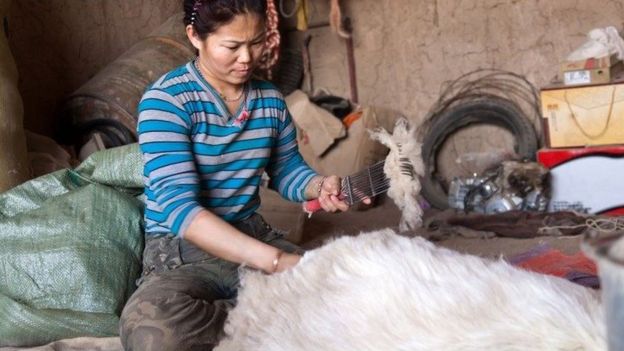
x=207, y=132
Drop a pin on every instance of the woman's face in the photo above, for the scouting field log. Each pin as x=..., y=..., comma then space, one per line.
x=232, y=52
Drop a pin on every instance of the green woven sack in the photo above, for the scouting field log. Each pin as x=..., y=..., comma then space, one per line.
x=71, y=250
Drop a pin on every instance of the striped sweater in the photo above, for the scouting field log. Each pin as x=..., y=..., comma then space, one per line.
x=197, y=155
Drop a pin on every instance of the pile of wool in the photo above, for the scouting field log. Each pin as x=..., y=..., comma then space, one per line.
x=383, y=291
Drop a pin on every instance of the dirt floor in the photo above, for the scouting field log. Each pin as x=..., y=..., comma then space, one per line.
x=311, y=232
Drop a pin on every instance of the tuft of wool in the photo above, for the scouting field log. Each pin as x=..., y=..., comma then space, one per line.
x=383, y=291
x=405, y=153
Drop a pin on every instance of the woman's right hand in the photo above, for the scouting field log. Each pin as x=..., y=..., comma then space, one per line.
x=287, y=261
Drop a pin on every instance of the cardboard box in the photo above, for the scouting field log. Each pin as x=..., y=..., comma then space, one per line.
x=601, y=70
x=323, y=128
x=354, y=152
x=592, y=76
x=590, y=63
x=585, y=179
x=583, y=116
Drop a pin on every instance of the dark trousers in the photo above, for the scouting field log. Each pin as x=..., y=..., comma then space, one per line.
x=184, y=293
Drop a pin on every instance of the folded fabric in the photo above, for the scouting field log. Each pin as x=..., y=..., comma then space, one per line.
x=577, y=268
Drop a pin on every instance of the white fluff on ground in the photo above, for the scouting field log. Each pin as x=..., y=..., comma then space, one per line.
x=382, y=291
x=405, y=151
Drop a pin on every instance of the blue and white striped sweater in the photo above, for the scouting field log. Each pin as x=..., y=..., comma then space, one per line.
x=197, y=155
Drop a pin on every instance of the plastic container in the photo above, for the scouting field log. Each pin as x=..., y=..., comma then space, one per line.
x=607, y=250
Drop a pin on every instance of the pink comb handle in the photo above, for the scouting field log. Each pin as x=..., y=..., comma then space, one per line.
x=311, y=206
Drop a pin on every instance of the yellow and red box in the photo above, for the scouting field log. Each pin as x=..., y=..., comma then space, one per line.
x=583, y=116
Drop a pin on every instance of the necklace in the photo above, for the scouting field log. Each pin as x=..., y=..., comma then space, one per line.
x=223, y=97
x=227, y=99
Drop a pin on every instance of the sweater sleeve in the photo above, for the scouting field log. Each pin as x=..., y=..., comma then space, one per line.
x=172, y=182
x=289, y=172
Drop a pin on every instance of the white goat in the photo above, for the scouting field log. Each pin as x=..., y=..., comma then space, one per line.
x=382, y=291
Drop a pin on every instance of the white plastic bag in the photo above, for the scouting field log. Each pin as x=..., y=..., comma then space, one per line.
x=600, y=42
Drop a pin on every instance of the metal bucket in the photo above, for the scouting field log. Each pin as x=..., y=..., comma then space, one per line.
x=607, y=250
x=107, y=103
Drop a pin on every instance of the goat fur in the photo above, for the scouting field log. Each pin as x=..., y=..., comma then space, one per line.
x=404, y=188
x=382, y=291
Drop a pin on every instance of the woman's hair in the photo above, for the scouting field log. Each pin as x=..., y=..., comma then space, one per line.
x=207, y=16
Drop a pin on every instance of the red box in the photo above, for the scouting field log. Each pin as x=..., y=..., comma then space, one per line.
x=586, y=179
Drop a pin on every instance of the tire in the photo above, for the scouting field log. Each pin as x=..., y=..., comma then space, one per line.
x=494, y=111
